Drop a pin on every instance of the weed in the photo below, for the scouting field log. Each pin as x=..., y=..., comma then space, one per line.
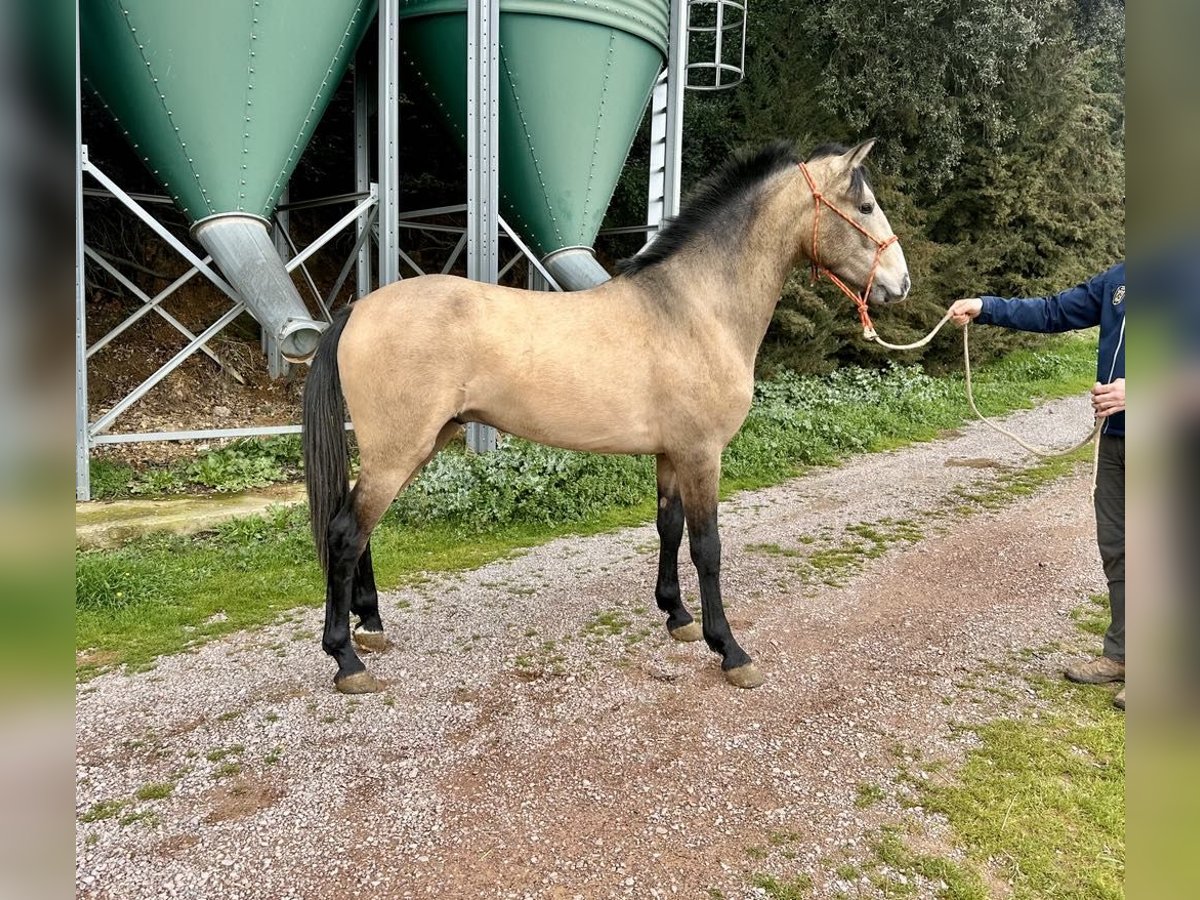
x=1093, y=617
x=242, y=464
x=772, y=549
x=867, y=794
x=606, y=622
x=900, y=863
x=159, y=790
x=848, y=872
x=867, y=540
x=796, y=889
x=222, y=752
x=105, y=809
x=147, y=816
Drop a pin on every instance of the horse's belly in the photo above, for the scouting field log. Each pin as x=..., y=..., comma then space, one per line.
x=597, y=427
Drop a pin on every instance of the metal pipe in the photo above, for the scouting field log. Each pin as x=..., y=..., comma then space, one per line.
x=575, y=268
x=483, y=169
x=201, y=434
x=362, y=176
x=356, y=256
x=242, y=248
x=388, y=103
x=529, y=254
x=83, y=476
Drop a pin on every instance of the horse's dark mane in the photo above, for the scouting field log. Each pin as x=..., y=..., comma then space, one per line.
x=710, y=203
x=725, y=191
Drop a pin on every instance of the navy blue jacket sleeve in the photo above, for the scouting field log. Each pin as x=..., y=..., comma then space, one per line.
x=1077, y=307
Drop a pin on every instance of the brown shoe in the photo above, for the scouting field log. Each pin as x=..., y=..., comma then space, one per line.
x=1119, y=700
x=1100, y=670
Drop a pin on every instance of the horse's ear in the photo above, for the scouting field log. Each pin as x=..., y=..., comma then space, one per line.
x=855, y=156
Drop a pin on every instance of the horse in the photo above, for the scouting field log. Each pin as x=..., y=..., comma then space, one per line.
x=659, y=360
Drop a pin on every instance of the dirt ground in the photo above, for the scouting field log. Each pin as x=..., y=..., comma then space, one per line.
x=200, y=393
x=542, y=737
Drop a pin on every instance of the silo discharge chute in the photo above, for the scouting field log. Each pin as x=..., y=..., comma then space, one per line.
x=575, y=78
x=219, y=99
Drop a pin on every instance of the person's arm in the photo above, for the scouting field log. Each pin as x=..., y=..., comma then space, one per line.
x=1077, y=307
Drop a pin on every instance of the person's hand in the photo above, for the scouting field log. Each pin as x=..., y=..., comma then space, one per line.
x=963, y=311
x=1108, y=399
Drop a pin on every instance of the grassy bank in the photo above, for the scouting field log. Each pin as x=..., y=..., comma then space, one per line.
x=161, y=594
x=1037, y=808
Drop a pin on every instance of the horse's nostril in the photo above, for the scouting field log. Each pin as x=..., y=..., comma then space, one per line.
x=905, y=285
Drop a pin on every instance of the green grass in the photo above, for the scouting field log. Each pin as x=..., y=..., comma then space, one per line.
x=962, y=882
x=1093, y=617
x=834, y=563
x=156, y=791
x=867, y=794
x=1044, y=798
x=106, y=809
x=161, y=594
x=1017, y=483
x=1039, y=803
x=793, y=889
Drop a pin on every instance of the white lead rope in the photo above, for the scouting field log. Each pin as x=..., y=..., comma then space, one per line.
x=1092, y=438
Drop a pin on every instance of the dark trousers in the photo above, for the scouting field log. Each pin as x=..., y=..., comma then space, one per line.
x=1110, y=535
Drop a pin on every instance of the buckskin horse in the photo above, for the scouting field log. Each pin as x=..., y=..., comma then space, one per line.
x=659, y=360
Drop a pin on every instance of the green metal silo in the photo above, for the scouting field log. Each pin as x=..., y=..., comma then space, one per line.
x=575, y=78
x=220, y=98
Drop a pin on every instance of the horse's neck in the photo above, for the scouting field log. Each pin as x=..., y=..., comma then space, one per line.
x=771, y=248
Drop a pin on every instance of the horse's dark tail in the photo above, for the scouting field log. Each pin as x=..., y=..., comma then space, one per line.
x=326, y=453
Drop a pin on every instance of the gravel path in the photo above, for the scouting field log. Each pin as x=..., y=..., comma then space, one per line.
x=542, y=737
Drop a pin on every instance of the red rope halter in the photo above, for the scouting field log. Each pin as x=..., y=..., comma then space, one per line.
x=860, y=300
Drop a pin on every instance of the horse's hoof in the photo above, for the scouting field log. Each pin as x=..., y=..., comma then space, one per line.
x=687, y=633
x=371, y=641
x=359, y=683
x=747, y=676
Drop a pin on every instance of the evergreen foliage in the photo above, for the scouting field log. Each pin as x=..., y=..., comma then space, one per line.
x=1000, y=162
x=1001, y=159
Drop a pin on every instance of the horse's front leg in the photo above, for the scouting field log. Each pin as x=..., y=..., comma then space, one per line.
x=680, y=624
x=698, y=486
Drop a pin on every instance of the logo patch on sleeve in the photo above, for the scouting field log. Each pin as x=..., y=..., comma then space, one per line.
x=1119, y=296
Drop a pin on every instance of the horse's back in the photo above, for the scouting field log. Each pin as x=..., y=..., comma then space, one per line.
x=571, y=370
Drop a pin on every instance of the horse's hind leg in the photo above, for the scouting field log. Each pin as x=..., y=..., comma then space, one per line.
x=349, y=533
x=369, y=634
x=364, y=602
x=698, y=482
x=680, y=624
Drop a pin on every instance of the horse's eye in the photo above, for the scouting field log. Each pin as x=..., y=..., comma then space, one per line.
x=867, y=208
